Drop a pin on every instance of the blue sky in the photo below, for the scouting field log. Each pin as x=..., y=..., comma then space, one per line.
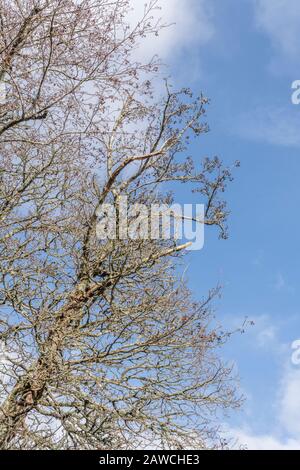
x=244, y=55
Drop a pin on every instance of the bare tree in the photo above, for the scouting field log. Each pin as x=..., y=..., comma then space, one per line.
x=105, y=347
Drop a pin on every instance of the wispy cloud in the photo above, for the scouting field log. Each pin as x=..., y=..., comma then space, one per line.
x=285, y=434
x=245, y=438
x=265, y=334
x=279, y=20
x=271, y=125
x=284, y=430
x=282, y=284
x=190, y=26
x=191, y=20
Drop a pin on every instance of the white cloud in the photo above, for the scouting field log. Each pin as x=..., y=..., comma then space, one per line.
x=267, y=336
x=279, y=21
x=190, y=24
x=246, y=439
x=261, y=331
x=281, y=283
x=264, y=333
x=272, y=125
x=285, y=434
x=289, y=411
x=281, y=402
